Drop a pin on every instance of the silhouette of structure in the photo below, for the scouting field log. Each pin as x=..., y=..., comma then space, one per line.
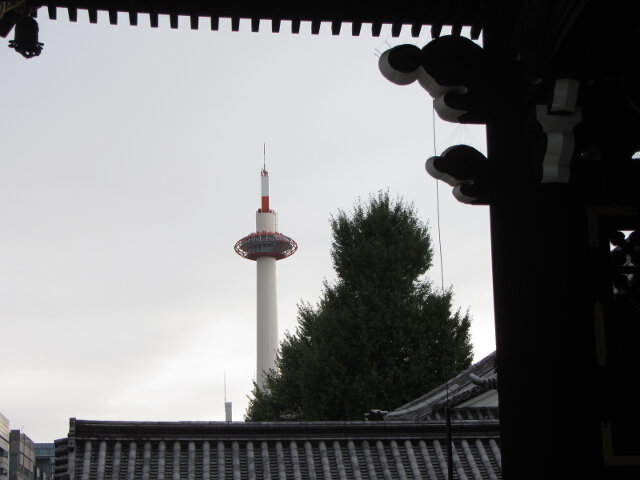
x=556, y=84
x=265, y=247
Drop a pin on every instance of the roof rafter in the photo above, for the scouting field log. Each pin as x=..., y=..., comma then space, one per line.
x=434, y=13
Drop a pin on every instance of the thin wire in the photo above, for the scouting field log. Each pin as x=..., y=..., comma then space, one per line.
x=435, y=152
x=446, y=375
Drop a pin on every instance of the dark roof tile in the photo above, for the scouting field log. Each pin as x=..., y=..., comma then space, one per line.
x=474, y=381
x=277, y=451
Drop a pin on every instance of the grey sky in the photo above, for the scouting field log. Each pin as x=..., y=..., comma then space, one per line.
x=130, y=167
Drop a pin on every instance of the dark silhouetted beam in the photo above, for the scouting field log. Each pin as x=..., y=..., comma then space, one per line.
x=376, y=28
x=398, y=12
x=315, y=26
x=476, y=30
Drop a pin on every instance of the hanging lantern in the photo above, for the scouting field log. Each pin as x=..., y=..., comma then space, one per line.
x=25, y=41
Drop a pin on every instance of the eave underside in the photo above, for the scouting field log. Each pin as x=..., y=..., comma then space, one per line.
x=434, y=13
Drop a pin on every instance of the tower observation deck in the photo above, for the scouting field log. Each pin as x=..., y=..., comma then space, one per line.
x=265, y=247
x=266, y=244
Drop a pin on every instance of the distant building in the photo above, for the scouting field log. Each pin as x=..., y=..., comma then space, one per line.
x=45, y=460
x=22, y=457
x=4, y=447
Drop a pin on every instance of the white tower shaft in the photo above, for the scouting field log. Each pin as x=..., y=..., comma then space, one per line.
x=267, y=302
x=266, y=246
x=267, y=317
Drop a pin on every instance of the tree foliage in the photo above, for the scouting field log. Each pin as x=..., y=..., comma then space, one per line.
x=379, y=336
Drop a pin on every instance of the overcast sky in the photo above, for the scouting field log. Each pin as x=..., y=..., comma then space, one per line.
x=130, y=166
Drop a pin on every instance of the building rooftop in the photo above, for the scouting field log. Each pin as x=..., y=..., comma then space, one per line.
x=479, y=383
x=409, y=444
x=282, y=450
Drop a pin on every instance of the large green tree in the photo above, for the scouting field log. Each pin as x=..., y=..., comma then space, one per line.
x=380, y=335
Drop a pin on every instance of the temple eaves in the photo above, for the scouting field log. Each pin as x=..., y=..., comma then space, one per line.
x=434, y=13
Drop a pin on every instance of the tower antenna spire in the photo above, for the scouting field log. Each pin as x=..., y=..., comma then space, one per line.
x=264, y=156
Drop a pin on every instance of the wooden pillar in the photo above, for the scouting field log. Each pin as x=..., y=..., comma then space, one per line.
x=548, y=278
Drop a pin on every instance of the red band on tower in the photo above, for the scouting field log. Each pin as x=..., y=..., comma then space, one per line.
x=265, y=190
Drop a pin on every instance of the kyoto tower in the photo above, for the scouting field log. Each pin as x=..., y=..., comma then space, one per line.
x=266, y=246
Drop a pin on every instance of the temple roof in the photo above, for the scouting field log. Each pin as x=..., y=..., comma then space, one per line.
x=409, y=444
x=457, y=392
x=283, y=450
